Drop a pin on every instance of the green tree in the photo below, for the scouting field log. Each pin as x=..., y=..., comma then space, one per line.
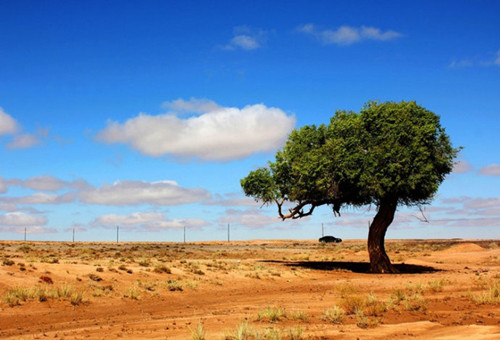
x=389, y=154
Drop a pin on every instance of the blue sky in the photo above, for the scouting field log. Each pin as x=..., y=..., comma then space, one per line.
x=146, y=114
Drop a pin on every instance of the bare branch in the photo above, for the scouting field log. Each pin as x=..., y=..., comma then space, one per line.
x=424, y=218
x=298, y=211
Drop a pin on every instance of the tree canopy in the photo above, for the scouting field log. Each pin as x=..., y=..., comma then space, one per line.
x=388, y=154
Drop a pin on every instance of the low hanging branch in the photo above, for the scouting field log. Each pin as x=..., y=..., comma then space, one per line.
x=298, y=211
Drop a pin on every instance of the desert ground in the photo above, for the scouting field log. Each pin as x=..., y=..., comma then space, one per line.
x=285, y=289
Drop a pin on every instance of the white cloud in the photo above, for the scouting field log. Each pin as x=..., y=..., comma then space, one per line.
x=23, y=141
x=134, y=218
x=482, y=203
x=223, y=134
x=139, y=192
x=8, y=207
x=491, y=170
x=193, y=105
x=478, y=60
x=40, y=198
x=461, y=63
x=469, y=222
x=51, y=183
x=246, y=38
x=245, y=42
x=462, y=167
x=16, y=219
x=8, y=125
x=44, y=183
x=29, y=230
x=3, y=186
x=347, y=35
x=151, y=221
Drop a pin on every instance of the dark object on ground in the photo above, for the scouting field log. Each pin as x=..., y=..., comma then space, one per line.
x=330, y=239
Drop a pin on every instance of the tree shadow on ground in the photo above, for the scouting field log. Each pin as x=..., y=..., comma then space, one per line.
x=355, y=267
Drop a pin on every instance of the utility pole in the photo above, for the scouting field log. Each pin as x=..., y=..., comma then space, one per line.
x=24, y=234
x=117, y=234
x=228, y=232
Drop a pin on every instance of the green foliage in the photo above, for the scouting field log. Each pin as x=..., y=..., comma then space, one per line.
x=388, y=151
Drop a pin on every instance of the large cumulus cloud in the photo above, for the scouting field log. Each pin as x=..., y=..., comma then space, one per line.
x=218, y=134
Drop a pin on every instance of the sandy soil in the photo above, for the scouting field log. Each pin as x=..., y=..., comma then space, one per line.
x=287, y=289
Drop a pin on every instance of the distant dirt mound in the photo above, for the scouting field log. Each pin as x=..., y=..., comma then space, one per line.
x=463, y=248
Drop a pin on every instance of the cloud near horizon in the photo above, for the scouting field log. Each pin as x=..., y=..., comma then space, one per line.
x=151, y=221
x=348, y=35
x=217, y=134
x=160, y=193
x=20, y=219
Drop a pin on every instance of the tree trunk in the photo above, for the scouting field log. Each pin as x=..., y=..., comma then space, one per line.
x=379, y=261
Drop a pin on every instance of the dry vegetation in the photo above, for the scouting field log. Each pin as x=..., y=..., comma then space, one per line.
x=248, y=290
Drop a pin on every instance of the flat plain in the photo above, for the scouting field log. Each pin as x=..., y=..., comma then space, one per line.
x=260, y=289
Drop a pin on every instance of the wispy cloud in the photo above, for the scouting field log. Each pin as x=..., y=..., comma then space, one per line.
x=462, y=167
x=8, y=125
x=491, y=170
x=51, y=183
x=476, y=61
x=221, y=134
x=23, y=141
x=348, y=35
x=246, y=38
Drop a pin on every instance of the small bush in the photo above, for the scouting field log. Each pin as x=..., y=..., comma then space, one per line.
x=145, y=263
x=46, y=279
x=133, y=293
x=271, y=314
x=7, y=262
x=335, y=315
x=361, y=319
x=95, y=277
x=25, y=249
x=295, y=334
x=198, y=333
x=299, y=315
x=352, y=303
x=491, y=296
x=174, y=286
x=160, y=269
x=76, y=298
